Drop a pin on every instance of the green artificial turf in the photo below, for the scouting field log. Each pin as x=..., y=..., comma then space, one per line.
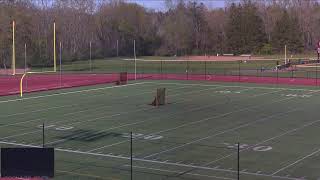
x=194, y=136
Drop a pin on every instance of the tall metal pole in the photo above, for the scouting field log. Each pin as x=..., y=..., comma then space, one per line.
x=25, y=57
x=54, y=48
x=13, y=50
x=239, y=74
x=316, y=74
x=90, y=60
x=238, y=161
x=135, y=60
x=43, y=135
x=205, y=70
x=60, y=59
x=117, y=48
x=131, y=159
x=285, y=54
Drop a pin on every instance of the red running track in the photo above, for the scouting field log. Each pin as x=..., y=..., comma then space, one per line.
x=9, y=85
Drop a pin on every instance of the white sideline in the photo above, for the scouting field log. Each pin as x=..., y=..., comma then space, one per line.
x=124, y=125
x=264, y=141
x=70, y=92
x=152, y=161
x=297, y=161
x=186, y=124
x=16, y=135
x=56, y=107
x=178, y=172
x=218, y=133
x=177, y=147
x=67, y=113
x=250, y=87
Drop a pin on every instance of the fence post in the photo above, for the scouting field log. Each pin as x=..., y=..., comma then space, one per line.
x=131, y=172
x=239, y=74
x=316, y=74
x=43, y=135
x=238, y=161
x=205, y=70
x=161, y=70
x=188, y=69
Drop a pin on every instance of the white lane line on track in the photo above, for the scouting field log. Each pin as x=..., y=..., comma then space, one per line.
x=151, y=161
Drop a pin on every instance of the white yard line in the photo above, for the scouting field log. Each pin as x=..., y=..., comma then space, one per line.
x=250, y=87
x=207, y=137
x=125, y=125
x=187, y=124
x=70, y=92
x=152, y=161
x=75, y=112
x=217, y=134
x=113, y=115
x=297, y=161
x=264, y=141
x=178, y=172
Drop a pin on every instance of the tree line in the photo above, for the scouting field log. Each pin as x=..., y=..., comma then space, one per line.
x=186, y=27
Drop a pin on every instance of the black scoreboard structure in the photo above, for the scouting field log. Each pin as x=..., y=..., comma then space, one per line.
x=27, y=162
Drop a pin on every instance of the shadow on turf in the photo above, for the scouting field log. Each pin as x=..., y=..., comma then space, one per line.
x=83, y=135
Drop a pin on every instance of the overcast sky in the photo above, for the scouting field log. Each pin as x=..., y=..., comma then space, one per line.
x=160, y=4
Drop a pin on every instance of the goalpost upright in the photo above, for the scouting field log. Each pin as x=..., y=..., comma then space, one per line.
x=54, y=48
x=26, y=72
x=13, y=61
x=13, y=64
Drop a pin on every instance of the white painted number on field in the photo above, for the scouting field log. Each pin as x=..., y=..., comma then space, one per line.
x=142, y=136
x=298, y=95
x=55, y=127
x=63, y=128
x=227, y=92
x=244, y=146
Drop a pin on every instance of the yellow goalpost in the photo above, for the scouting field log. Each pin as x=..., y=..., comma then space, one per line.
x=30, y=72
x=13, y=66
x=13, y=50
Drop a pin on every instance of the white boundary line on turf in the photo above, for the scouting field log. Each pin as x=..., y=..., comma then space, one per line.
x=218, y=133
x=112, y=115
x=70, y=92
x=178, y=172
x=186, y=124
x=56, y=107
x=297, y=161
x=129, y=124
x=264, y=141
x=272, y=138
x=194, y=141
x=250, y=87
x=152, y=161
x=38, y=110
